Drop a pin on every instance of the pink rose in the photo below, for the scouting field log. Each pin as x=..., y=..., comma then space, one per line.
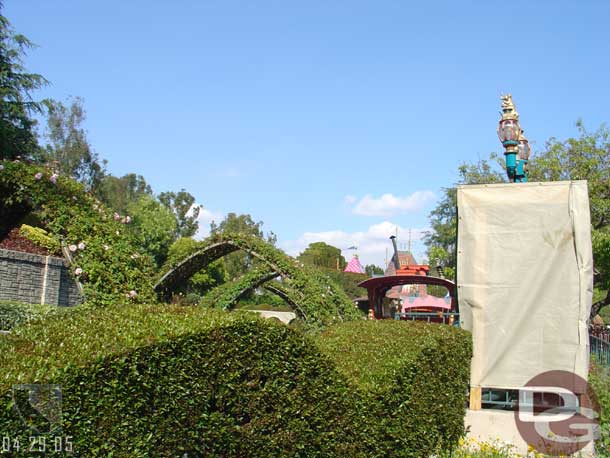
x=81, y=246
x=38, y=176
x=53, y=178
x=117, y=216
x=72, y=248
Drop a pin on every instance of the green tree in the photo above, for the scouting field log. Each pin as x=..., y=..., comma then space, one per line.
x=320, y=254
x=68, y=145
x=153, y=225
x=238, y=263
x=182, y=204
x=441, y=239
x=206, y=278
x=372, y=269
x=119, y=193
x=17, y=134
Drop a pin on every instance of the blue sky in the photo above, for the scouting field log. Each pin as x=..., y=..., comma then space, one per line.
x=327, y=120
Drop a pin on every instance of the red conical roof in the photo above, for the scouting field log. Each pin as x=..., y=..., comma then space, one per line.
x=354, y=266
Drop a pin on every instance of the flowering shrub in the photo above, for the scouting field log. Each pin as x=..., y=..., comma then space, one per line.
x=100, y=249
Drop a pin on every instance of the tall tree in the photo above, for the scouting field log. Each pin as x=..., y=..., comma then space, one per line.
x=68, y=145
x=154, y=226
x=119, y=193
x=17, y=135
x=238, y=263
x=441, y=239
x=372, y=269
x=320, y=254
x=182, y=204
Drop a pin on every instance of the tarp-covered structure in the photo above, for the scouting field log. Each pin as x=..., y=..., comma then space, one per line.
x=525, y=279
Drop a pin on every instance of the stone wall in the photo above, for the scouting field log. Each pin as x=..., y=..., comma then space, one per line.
x=36, y=279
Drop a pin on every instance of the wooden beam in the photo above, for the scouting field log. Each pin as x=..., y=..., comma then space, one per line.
x=476, y=393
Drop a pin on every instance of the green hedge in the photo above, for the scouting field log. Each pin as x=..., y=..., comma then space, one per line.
x=414, y=377
x=162, y=380
x=168, y=380
x=13, y=314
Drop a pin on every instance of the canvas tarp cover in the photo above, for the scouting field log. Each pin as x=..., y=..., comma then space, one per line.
x=525, y=279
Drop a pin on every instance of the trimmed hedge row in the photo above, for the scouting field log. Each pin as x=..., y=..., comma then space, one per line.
x=166, y=380
x=414, y=377
x=169, y=380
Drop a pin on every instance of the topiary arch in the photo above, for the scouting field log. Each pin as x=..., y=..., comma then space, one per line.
x=314, y=297
x=105, y=258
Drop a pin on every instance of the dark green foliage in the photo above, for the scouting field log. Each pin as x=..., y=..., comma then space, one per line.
x=166, y=380
x=226, y=296
x=348, y=281
x=153, y=226
x=237, y=264
x=202, y=281
x=599, y=381
x=372, y=269
x=110, y=261
x=320, y=254
x=17, y=133
x=413, y=376
x=182, y=205
x=117, y=193
x=13, y=314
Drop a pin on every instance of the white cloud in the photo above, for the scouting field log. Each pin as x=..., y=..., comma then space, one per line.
x=206, y=216
x=350, y=199
x=389, y=205
x=372, y=243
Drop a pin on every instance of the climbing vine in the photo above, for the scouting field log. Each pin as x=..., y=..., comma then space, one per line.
x=320, y=301
x=104, y=256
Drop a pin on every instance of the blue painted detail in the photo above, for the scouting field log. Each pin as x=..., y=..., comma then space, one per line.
x=511, y=164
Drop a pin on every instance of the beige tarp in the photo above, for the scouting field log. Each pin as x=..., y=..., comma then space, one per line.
x=525, y=279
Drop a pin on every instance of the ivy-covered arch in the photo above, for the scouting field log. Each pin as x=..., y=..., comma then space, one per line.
x=105, y=258
x=315, y=298
x=225, y=296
